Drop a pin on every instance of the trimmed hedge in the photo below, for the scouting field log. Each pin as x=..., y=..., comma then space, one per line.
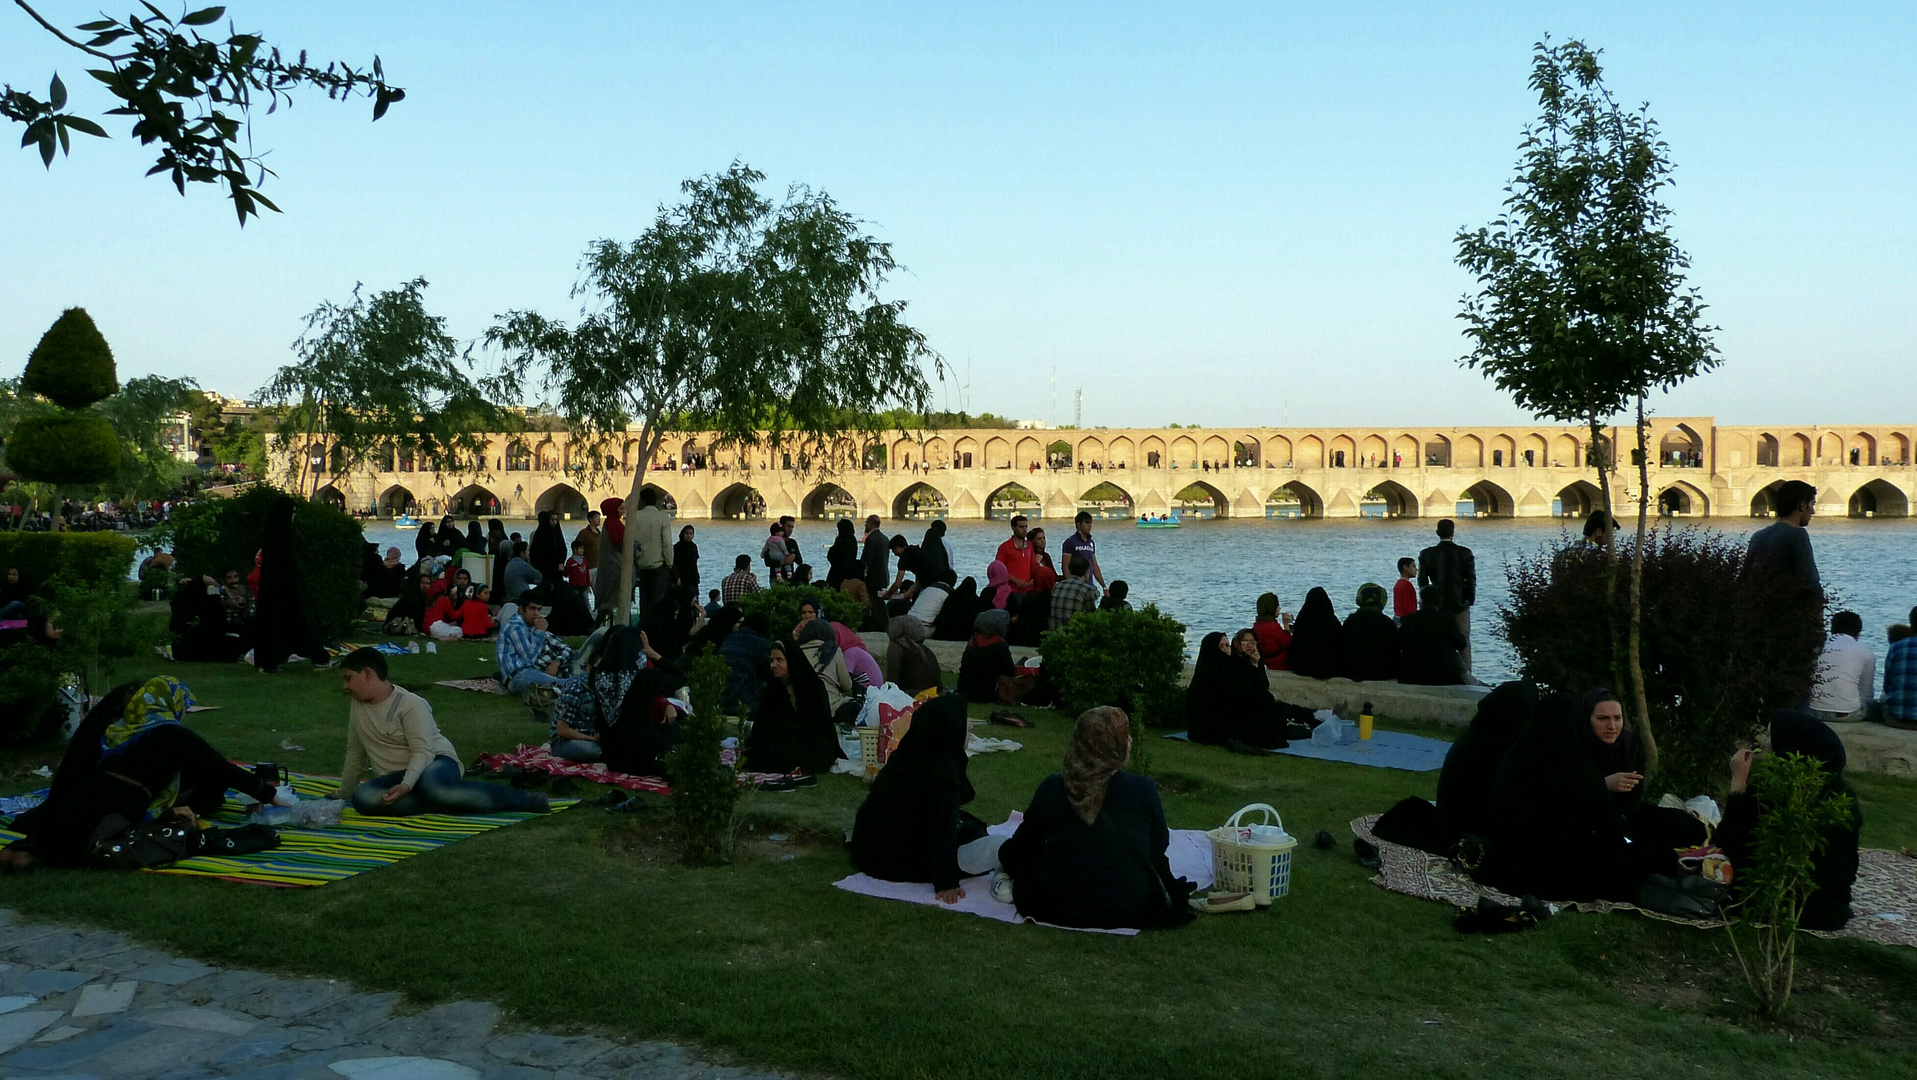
x=780, y=604
x=1130, y=658
x=213, y=536
x=30, y=705
x=64, y=448
x=72, y=366
x=92, y=558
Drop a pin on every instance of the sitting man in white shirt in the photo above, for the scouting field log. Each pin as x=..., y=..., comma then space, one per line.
x=931, y=598
x=1841, y=689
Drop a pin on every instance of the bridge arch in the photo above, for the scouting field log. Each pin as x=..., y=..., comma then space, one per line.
x=1489, y=500
x=1534, y=451
x=1123, y=453
x=1278, y=452
x=967, y=455
x=396, y=500
x=998, y=453
x=1830, y=448
x=1567, y=452
x=1295, y=499
x=1106, y=497
x=1764, y=499
x=828, y=501
x=1437, y=452
x=1027, y=453
x=1184, y=452
x=1682, y=500
x=1090, y=451
x=1767, y=450
x=1309, y=453
x=1245, y=453
x=1896, y=449
x=332, y=496
x=1578, y=498
x=1151, y=453
x=920, y=500
x=1204, y=492
x=1398, y=499
x=666, y=502
x=562, y=499
x=1679, y=446
x=1404, y=453
x=1010, y=500
x=1468, y=453
x=1343, y=453
x=1215, y=451
x=740, y=501
x=1879, y=498
x=1372, y=453
x=1799, y=446
x=474, y=501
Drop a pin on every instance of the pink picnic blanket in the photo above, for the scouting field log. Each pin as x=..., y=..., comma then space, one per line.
x=540, y=759
x=1189, y=854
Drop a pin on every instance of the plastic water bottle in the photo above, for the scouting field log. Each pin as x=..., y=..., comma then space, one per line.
x=1364, y=722
x=432, y=647
x=412, y=648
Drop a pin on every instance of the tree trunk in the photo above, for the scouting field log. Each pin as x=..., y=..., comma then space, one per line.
x=1634, y=656
x=648, y=443
x=1615, y=632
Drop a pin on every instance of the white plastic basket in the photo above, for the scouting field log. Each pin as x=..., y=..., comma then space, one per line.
x=1253, y=858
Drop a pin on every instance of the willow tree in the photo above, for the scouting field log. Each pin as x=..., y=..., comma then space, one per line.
x=759, y=321
x=1582, y=308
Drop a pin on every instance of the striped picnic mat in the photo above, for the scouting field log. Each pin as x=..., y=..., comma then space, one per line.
x=357, y=844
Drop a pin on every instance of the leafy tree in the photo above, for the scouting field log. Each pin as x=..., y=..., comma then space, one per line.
x=758, y=321
x=148, y=469
x=192, y=95
x=1582, y=309
x=54, y=438
x=376, y=375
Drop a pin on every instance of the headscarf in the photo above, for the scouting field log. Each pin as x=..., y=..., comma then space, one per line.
x=905, y=629
x=1317, y=638
x=991, y=626
x=1267, y=606
x=1208, y=697
x=956, y=616
x=820, y=631
x=615, y=522
x=423, y=540
x=856, y=589
x=495, y=535
x=1624, y=755
x=1101, y=741
x=619, y=661
x=998, y=583
x=475, y=538
x=1798, y=731
x=846, y=637
x=1371, y=596
x=14, y=592
x=932, y=753
x=160, y=701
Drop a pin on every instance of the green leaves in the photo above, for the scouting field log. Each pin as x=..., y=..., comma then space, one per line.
x=203, y=16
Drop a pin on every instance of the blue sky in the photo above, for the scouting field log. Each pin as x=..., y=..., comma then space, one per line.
x=1225, y=215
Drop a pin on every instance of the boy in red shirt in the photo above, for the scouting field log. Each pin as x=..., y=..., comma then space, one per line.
x=1404, y=595
x=578, y=574
x=1016, y=554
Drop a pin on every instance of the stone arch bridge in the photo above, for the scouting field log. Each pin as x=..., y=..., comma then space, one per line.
x=1699, y=469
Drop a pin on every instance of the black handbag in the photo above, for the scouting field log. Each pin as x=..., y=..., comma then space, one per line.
x=163, y=841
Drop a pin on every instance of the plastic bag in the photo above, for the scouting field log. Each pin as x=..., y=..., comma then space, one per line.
x=1333, y=730
x=309, y=814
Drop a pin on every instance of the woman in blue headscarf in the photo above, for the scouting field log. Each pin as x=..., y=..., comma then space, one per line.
x=132, y=759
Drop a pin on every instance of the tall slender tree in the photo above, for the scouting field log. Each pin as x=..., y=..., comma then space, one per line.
x=1582, y=309
x=760, y=321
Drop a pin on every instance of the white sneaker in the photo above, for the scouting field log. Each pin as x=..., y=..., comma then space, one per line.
x=1001, y=886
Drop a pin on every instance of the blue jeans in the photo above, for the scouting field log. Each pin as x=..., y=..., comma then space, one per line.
x=443, y=790
x=579, y=750
x=527, y=678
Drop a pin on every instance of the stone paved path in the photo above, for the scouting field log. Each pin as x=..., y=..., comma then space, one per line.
x=88, y=1003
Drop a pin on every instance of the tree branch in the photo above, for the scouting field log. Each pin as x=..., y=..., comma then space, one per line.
x=56, y=32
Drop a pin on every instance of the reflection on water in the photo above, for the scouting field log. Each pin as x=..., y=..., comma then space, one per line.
x=1207, y=573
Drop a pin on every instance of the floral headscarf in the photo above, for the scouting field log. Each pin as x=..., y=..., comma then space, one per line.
x=157, y=703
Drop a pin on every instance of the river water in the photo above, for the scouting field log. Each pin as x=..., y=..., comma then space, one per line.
x=1208, y=573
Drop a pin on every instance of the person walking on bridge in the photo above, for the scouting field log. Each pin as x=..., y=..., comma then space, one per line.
x=1450, y=567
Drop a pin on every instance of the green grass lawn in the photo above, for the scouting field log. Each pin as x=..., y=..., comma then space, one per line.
x=582, y=921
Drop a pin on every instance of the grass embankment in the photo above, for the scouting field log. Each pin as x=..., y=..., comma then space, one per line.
x=581, y=921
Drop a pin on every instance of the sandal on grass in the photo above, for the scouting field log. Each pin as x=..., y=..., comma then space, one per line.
x=1010, y=719
x=1218, y=903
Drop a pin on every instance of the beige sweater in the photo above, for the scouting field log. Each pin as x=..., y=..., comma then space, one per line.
x=397, y=735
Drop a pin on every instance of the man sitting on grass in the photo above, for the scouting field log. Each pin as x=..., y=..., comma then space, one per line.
x=416, y=770
x=529, y=656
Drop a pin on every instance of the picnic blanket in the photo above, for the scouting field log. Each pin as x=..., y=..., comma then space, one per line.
x=357, y=844
x=1189, y=853
x=540, y=759
x=483, y=686
x=1883, y=901
x=1384, y=750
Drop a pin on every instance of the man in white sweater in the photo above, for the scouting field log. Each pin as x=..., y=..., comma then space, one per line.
x=390, y=731
x=1846, y=673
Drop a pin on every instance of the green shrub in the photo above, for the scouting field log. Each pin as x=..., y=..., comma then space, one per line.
x=1719, y=656
x=30, y=705
x=1799, y=806
x=93, y=558
x=215, y=535
x=705, y=790
x=780, y=604
x=64, y=448
x=72, y=366
x=1129, y=658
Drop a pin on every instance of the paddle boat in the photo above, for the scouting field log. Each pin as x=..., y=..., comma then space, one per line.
x=406, y=521
x=1157, y=521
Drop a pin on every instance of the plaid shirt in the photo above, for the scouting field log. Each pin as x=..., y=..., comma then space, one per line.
x=1900, y=680
x=737, y=584
x=518, y=647
x=1071, y=596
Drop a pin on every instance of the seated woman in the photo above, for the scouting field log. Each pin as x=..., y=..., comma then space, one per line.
x=1274, y=635
x=459, y=615
x=712, y=636
x=820, y=647
x=792, y=729
x=1834, y=869
x=1430, y=645
x=954, y=622
x=1463, y=806
x=1371, y=637
x=1317, y=639
x=589, y=703
x=131, y=760
x=986, y=671
x=566, y=611
x=638, y=730
x=908, y=663
x=1618, y=757
x=408, y=613
x=1091, y=849
x=1552, y=828
x=205, y=627
x=910, y=827
x=746, y=650
x=1229, y=700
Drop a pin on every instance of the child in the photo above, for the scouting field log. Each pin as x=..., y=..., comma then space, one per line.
x=778, y=558
x=578, y=577
x=1115, y=597
x=1404, y=595
x=712, y=603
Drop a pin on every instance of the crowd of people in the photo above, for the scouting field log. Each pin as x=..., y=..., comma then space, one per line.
x=71, y=516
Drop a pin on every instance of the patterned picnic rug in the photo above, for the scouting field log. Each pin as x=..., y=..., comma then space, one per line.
x=539, y=759
x=482, y=686
x=1883, y=901
x=308, y=856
